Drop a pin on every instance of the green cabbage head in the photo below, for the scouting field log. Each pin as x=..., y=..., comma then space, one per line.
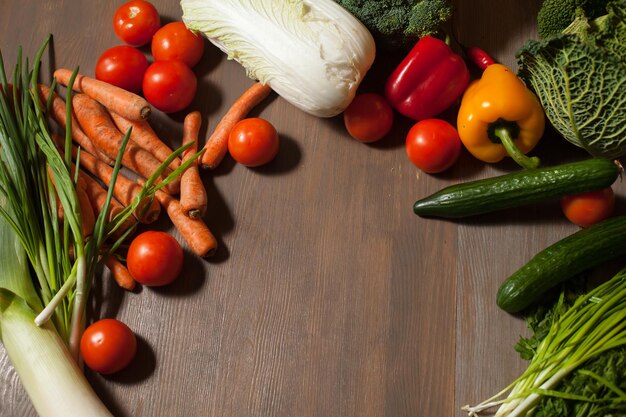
x=580, y=79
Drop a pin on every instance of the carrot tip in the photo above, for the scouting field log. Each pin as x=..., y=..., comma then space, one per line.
x=129, y=286
x=146, y=112
x=194, y=213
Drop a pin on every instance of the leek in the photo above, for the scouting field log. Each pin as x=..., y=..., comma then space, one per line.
x=313, y=53
x=54, y=382
x=594, y=324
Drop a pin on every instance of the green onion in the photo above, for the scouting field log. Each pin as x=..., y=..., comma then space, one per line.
x=594, y=324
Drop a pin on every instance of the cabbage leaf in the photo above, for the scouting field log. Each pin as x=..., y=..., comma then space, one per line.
x=580, y=79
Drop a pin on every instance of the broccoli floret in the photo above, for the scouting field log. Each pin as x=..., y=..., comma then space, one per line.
x=555, y=15
x=398, y=24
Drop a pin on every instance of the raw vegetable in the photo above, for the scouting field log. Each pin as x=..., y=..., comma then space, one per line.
x=253, y=142
x=430, y=78
x=126, y=104
x=594, y=325
x=312, y=53
x=518, y=189
x=108, y=346
x=555, y=15
x=561, y=261
x=586, y=209
x=433, y=145
x=194, y=230
x=170, y=86
x=154, y=258
x=144, y=136
x=193, y=195
x=136, y=21
x=589, y=391
x=124, y=189
x=500, y=117
x=47, y=362
x=122, y=66
x=579, y=78
x=58, y=111
x=398, y=24
x=47, y=265
x=216, y=145
x=368, y=118
x=479, y=57
x=97, y=195
x=174, y=42
x=98, y=125
x=120, y=273
x=39, y=326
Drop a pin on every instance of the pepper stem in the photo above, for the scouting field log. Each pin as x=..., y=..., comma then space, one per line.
x=504, y=134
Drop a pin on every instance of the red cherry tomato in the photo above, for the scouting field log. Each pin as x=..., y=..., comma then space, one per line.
x=108, y=346
x=170, y=86
x=136, y=21
x=253, y=142
x=174, y=42
x=586, y=209
x=368, y=118
x=154, y=258
x=433, y=145
x=122, y=66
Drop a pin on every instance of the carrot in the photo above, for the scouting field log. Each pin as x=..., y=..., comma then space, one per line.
x=193, y=196
x=144, y=136
x=216, y=146
x=124, y=189
x=116, y=99
x=194, y=231
x=120, y=273
x=97, y=195
x=87, y=214
x=97, y=124
x=57, y=110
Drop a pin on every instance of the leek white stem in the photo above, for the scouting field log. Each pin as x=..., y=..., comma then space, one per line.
x=49, y=374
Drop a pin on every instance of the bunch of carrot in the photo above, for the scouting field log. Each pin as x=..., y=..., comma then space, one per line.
x=102, y=115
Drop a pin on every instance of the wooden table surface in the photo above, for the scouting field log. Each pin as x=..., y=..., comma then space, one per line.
x=328, y=297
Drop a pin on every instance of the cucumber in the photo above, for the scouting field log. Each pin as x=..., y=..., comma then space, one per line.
x=519, y=188
x=564, y=259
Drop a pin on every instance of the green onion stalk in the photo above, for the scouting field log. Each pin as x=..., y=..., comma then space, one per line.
x=594, y=324
x=47, y=264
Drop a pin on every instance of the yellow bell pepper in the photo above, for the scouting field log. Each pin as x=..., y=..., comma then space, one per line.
x=500, y=117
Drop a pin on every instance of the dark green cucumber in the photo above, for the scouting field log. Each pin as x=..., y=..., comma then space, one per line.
x=519, y=188
x=566, y=258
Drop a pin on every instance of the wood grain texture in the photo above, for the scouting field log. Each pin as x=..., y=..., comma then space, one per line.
x=327, y=296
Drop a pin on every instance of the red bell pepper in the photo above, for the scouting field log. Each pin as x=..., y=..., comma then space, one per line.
x=428, y=80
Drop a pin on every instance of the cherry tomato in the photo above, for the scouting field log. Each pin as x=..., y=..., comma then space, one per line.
x=368, y=118
x=154, y=258
x=174, y=42
x=253, y=142
x=108, y=346
x=586, y=209
x=122, y=66
x=136, y=21
x=170, y=86
x=433, y=145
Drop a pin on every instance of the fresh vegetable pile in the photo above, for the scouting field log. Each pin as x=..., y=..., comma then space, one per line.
x=94, y=170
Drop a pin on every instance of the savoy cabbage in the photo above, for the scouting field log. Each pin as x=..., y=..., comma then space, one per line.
x=580, y=79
